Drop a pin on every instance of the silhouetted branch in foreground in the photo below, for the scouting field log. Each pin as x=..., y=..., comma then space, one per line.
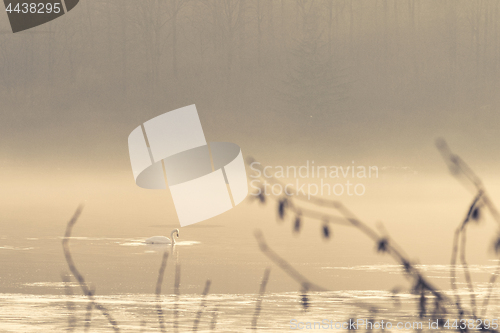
x=471, y=181
x=421, y=285
x=459, y=242
x=215, y=313
x=285, y=266
x=69, y=304
x=177, y=282
x=202, y=306
x=306, y=284
x=258, y=305
x=161, y=273
x=88, y=313
x=468, y=278
x=383, y=243
x=491, y=283
x=462, y=171
x=79, y=277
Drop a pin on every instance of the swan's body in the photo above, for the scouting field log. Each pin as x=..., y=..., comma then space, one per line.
x=163, y=239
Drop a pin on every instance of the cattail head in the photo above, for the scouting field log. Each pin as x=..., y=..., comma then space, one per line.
x=496, y=245
x=476, y=214
x=382, y=245
x=282, y=205
x=297, y=223
x=261, y=196
x=326, y=230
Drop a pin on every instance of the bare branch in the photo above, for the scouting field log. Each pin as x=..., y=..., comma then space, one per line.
x=202, y=306
x=76, y=273
x=69, y=303
x=284, y=265
x=177, y=282
x=262, y=290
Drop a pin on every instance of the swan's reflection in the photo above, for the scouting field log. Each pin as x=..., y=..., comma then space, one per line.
x=164, y=244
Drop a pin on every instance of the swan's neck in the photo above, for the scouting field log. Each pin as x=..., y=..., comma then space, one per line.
x=172, y=236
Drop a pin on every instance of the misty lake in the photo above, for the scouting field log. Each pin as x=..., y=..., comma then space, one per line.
x=123, y=272
x=108, y=248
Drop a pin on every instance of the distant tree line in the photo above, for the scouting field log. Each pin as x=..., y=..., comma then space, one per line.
x=306, y=53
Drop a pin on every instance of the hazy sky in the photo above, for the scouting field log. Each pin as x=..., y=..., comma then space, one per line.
x=331, y=81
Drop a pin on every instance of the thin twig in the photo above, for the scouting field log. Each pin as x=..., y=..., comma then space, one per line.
x=69, y=303
x=491, y=283
x=467, y=275
x=177, y=282
x=305, y=284
x=349, y=219
x=202, y=306
x=453, y=271
x=459, y=168
x=284, y=265
x=79, y=277
x=215, y=313
x=88, y=314
x=460, y=247
x=262, y=290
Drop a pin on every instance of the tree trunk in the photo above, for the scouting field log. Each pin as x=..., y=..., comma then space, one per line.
x=259, y=32
x=123, y=37
x=242, y=33
x=174, y=38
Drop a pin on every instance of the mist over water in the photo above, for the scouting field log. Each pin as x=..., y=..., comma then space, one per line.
x=377, y=81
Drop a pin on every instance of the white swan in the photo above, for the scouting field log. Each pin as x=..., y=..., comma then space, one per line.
x=163, y=239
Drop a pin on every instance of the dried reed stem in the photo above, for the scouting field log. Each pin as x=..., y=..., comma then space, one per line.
x=491, y=283
x=202, y=306
x=462, y=171
x=453, y=271
x=258, y=305
x=88, y=313
x=69, y=303
x=460, y=247
x=177, y=282
x=349, y=219
x=284, y=265
x=465, y=268
x=79, y=277
x=215, y=313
